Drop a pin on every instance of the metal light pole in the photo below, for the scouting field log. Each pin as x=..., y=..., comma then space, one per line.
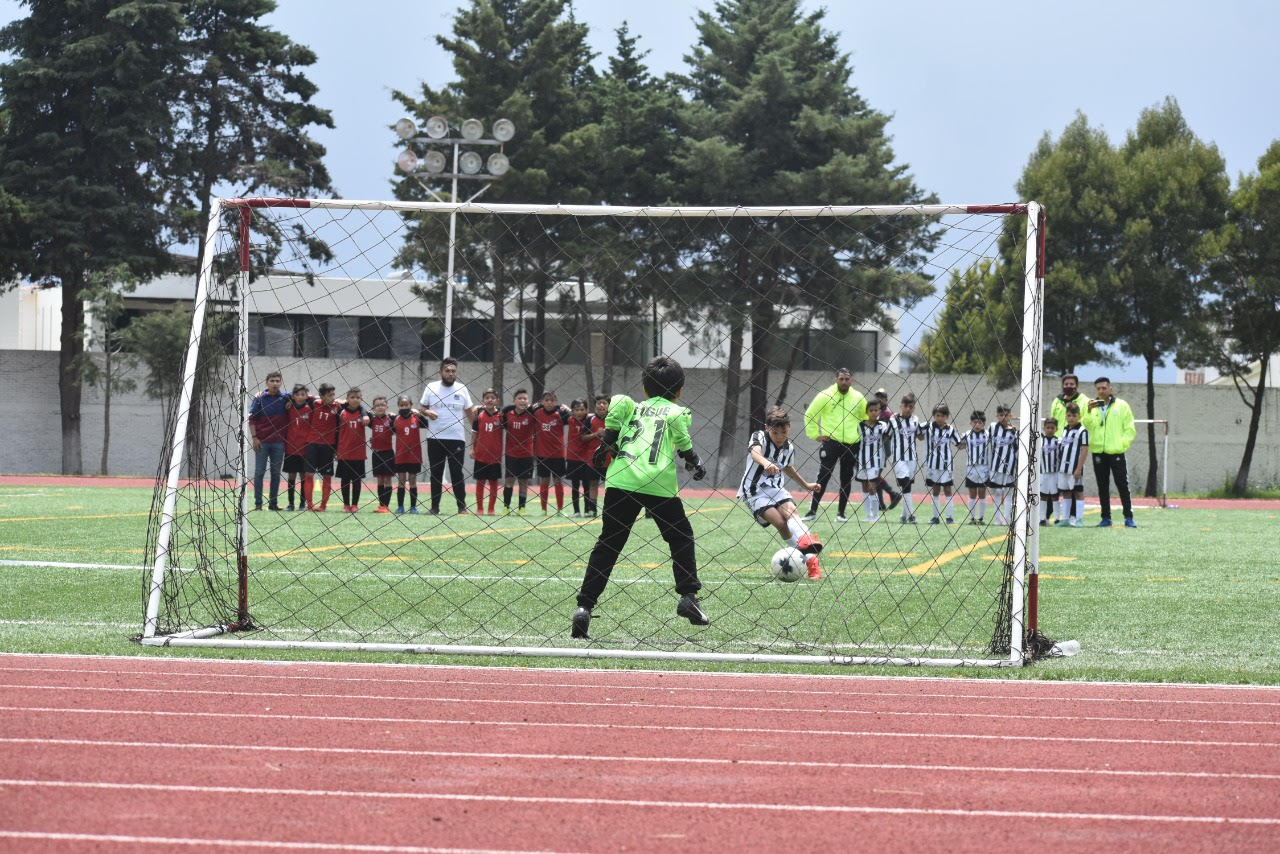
x=467, y=165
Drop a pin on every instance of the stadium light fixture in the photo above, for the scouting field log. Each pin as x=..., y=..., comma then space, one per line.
x=437, y=127
x=498, y=164
x=472, y=129
x=408, y=161
x=406, y=129
x=470, y=163
x=503, y=130
x=434, y=162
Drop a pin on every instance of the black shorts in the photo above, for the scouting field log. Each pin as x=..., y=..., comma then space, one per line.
x=548, y=466
x=320, y=458
x=384, y=463
x=486, y=471
x=520, y=467
x=295, y=463
x=409, y=467
x=975, y=484
x=351, y=469
x=583, y=471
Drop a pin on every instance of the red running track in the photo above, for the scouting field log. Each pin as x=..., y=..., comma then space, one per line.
x=139, y=754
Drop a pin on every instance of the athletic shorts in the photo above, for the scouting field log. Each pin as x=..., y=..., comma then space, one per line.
x=409, y=467
x=583, y=471
x=295, y=463
x=548, y=466
x=938, y=477
x=1066, y=483
x=486, y=471
x=351, y=469
x=977, y=476
x=764, y=498
x=320, y=458
x=519, y=467
x=905, y=470
x=384, y=463
x=867, y=475
x=975, y=484
x=1000, y=480
x=1049, y=483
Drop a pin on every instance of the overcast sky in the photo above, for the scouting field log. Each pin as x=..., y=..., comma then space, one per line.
x=971, y=86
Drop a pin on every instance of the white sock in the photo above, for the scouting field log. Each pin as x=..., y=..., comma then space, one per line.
x=946, y=505
x=796, y=527
x=1080, y=508
x=982, y=508
x=870, y=506
x=793, y=542
x=907, y=510
x=937, y=506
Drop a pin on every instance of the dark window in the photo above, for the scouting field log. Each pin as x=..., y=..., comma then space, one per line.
x=343, y=337
x=375, y=338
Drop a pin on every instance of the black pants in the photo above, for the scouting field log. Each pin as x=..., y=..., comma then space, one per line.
x=453, y=450
x=833, y=452
x=1104, y=467
x=619, y=514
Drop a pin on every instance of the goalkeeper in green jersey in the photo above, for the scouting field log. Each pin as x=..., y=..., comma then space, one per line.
x=644, y=439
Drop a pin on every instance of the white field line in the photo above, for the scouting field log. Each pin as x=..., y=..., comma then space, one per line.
x=169, y=842
x=652, y=760
x=857, y=809
x=449, y=722
x=613, y=704
x=701, y=688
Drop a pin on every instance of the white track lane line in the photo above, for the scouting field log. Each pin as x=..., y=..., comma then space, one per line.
x=264, y=668
x=613, y=704
x=642, y=727
x=857, y=809
x=177, y=841
x=651, y=760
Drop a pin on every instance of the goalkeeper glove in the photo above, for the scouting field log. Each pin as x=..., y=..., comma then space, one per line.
x=693, y=464
x=608, y=445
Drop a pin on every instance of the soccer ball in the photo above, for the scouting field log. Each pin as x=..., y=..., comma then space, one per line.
x=788, y=564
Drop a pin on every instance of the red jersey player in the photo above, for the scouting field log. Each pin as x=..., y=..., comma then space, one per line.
x=322, y=446
x=548, y=446
x=352, y=448
x=381, y=433
x=585, y=430
x=486, y=449
x=518, y=427
x=297, y=434
x=408, y=426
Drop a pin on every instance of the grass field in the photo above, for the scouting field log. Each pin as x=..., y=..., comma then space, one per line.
x=1189, y=596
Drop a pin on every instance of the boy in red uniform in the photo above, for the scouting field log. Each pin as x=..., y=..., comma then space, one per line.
x=322, y=446
x=297, y=435
x=408, y=428
x=517, y=424
x=548, y=447
x=382, y=431
x=486, y=449
x=352, y=419
x=585, y=430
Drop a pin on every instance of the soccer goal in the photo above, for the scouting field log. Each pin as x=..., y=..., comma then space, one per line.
x=761, y=306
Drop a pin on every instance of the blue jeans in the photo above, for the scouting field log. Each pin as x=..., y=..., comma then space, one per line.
x=273, y=451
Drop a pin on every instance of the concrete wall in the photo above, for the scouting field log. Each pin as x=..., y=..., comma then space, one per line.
x=1206, y=438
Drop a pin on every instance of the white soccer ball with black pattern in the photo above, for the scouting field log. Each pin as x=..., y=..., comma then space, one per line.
x=788, y=564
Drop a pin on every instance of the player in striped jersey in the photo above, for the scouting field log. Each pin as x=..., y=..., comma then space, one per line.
x=1004, y=463
x=872, y=435
x=905, y=433
x=977, y=453
x=940, y=442
x=1074, y=450
x=1050, y=451
x=770, y=454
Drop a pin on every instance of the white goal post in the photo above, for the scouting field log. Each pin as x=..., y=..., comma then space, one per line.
x=331, y=290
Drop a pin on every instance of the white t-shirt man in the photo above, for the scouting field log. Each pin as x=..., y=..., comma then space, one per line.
x=450, y=400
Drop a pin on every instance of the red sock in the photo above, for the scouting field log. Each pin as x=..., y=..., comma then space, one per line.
x=480, y=496
x=543, y=490
x=559, y=496
x=493, y=495
x=326, y=487
x=308, y=491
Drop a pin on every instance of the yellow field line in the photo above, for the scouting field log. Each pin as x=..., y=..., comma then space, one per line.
x=946, y=557
x=65, y=517
x=872, y=555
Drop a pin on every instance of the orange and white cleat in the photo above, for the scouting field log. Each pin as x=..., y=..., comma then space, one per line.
x=815, y=568
x=809, y=544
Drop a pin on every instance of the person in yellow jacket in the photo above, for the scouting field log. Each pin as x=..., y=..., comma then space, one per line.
x=1109, y=421
x=1070, y=394
x=832, y=419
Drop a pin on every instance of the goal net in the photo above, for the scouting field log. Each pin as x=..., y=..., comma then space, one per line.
x=762, y=307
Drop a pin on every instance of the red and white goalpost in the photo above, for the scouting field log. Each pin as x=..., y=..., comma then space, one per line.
x=219, y=575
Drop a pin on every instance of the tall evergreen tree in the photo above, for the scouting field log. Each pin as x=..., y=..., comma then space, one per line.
x=89, y=135
x=1173, y=198
x=774, y=118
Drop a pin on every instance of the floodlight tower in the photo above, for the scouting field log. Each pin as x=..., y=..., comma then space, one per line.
x=467, y=165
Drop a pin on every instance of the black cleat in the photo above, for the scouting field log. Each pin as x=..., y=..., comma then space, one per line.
x=581, y=622
x=691, y=611
x=894, y=499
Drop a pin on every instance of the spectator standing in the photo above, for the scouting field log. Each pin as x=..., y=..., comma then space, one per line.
x=833, y=419
x=269, y=426
x=1109, y=421
x=447, y=432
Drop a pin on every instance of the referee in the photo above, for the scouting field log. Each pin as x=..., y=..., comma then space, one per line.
x=832, y=419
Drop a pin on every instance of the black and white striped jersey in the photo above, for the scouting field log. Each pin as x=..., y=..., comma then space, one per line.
x=1004, y=447
x=1050, y=454
x=977, y=448
x=871, y=445
x=755, y=477
x=904, y=434
x=940, y=446
x=1073, y=440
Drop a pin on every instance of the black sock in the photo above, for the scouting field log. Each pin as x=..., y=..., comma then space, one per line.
x=524, y=497
x=413, y=496
x=384, y=496
x=399, y=496
x=576, y=507
x=506, y=496
x=346, y=492
x=291, y=488
x=356, y=486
